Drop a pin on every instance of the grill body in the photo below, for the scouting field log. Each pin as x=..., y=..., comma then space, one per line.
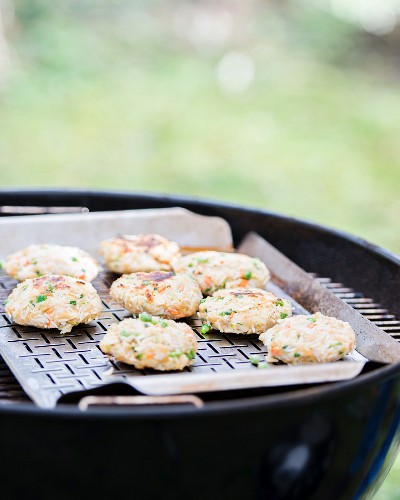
x=335, y=441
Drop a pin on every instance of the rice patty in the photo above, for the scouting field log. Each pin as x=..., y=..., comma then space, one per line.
x=53, y=302
x=140, y=252
x=150, y=342
x=39, y=260
x=215, y=270
x=159, y=293
x=239, y=310
x=309, y=339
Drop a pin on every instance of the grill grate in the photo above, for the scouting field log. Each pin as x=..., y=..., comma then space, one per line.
x=71, y=362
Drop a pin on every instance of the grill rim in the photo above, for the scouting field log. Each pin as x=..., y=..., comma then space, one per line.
x=175, y=200
x=255, y=403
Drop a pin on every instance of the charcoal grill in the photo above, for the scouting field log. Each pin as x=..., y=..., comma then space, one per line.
x=328, y=441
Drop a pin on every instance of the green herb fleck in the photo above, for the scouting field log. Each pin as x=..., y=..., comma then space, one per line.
x=333, y=345
x=72, y=302
x=296, y=355
x=202, y=260
x=139, y=355
x=190, y=264
x=7, y=300
x=74, y=259
x=247, y=276
x=202, y=301
x=38, y=274
x=311, y=320
x=81, y=296
x=145, y=317
x=32, y=303
x=164, y=324
x=255, y=359
x=191, y=354
x=41, y=298
x=205, y=328
x=124, y=333
x=261, y=366
x=283, y=315
x=226, y=313
x=207, y=290
x=175, y=354
x=279, y=302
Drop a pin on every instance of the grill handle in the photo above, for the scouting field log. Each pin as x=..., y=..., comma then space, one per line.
x=89, y=401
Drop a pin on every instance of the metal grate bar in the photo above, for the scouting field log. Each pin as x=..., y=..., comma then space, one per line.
x=373, y=311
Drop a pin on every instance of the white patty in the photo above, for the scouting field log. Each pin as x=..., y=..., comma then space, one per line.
x=239, y=310
x=53, y=302
x=141, y=252
x=216, y=270
x=150, y=342
x=38, y=260
x=309, y=339
x=160, y=293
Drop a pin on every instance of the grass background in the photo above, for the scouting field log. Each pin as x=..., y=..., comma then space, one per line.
x=281, y=105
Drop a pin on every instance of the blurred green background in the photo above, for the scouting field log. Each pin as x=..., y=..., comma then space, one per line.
x=293, y=106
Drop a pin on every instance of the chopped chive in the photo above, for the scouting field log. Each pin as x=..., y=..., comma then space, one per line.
x=207, y=290
x=247, y=275
x=283, y=315
x=145, y=317
x=41, y=298
x=32, y=303
x=72, y=302
x=205, y=328
x=139, y=355
x=38, y=274
x=333, y=345
x=202, y=300
x=263, y=365
x=81, y=296
x=74, y=259
x=296, y=355
x=202, y=260
x=255, y=359
x=279, y=302
x=164, y=324
x=191, y=354
x=190, y=264
x=226, y=313
x=175, y=354
x=311, y=320
x=124, y=333
x=50, y=288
